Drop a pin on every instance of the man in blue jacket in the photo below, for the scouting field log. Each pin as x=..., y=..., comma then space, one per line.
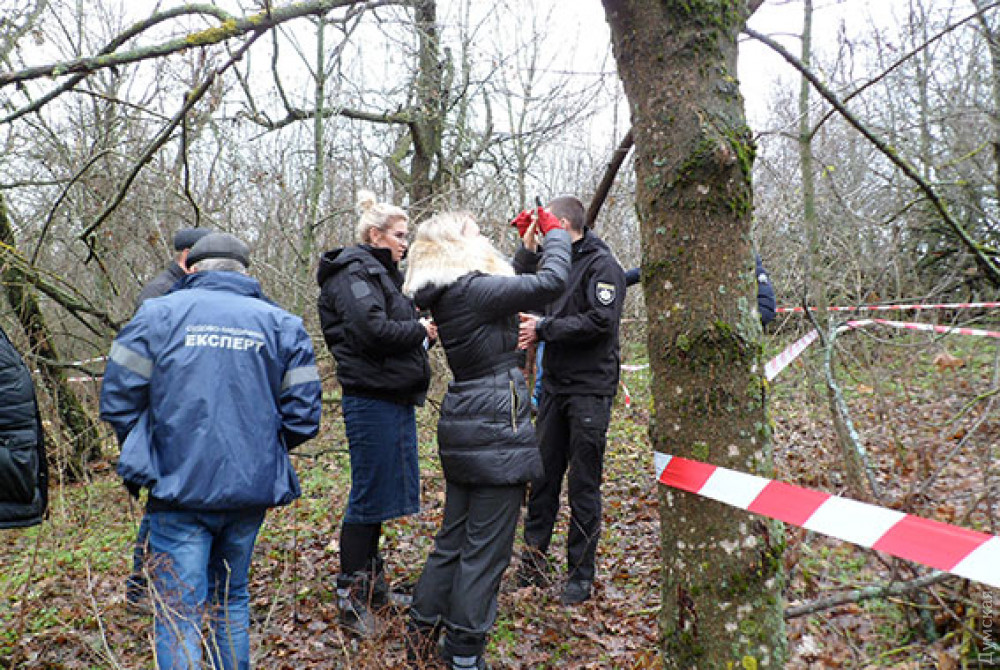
x=136, y=589
x=207, y=388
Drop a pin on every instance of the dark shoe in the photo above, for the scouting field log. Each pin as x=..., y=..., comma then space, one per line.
x=469, y=663
x=382, y=595
x=352, y=601
x=401, y=597
x=575, y=592
x=533, y=570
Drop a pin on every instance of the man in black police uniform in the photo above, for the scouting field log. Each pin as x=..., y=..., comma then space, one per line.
x=580, y=331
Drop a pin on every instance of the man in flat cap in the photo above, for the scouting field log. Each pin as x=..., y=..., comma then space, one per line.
x=183, y=241
x=207, y=388
x=136, y=590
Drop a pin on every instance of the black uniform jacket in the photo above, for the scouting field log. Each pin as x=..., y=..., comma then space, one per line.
x=370, y=327
x=580, y=329
x=485, y=435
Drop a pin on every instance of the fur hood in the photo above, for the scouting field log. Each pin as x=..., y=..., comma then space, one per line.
x=441, y=262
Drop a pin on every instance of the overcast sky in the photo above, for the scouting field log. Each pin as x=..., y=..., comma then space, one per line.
x=759, y=66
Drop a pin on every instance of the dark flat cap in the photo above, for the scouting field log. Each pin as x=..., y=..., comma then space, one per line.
x=186, y=238
x=219, y=245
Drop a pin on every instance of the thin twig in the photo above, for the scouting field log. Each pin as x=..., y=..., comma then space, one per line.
x=868, y=593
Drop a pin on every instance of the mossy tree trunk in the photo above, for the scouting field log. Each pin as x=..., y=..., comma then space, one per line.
x=722, y=568
x=79, y=425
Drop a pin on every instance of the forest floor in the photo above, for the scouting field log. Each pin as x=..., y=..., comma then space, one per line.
x=931, y=434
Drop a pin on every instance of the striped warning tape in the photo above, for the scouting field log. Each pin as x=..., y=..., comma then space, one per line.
x=785, y=358
x=881, y=308
x=960, y=551
x=792, y=351
x=927, y=326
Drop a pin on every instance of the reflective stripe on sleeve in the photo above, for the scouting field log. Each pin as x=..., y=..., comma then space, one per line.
x=131, y=360
x=306, y=373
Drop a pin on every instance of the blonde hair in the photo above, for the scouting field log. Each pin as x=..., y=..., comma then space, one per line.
x=375, y=216
x=441, y=253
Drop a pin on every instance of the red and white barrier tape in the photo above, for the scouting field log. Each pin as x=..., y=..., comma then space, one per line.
x=785, y=358
x=960, y=551
x=881, y=308
x=792, y=351
x=633, y=368
x=927, y=326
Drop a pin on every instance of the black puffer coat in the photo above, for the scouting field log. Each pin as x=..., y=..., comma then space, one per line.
x=370, y=327
x=485, y=435
x=23, y=469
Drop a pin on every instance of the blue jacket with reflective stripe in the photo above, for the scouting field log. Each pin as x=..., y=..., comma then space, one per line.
x=207, y=388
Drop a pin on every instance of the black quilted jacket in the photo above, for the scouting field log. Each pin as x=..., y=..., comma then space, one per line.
x=23, y=469
x=485, y=435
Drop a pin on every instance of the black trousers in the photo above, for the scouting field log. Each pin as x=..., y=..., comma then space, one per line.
x=461, y=579
x=572, y=435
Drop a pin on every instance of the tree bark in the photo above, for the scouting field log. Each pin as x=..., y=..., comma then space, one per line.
x=428, y=124
x=86, y=445
x=722, y=569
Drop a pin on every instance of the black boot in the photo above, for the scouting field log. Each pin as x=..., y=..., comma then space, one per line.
x=469, y=663
x=380, y=587
x=382, y=594
x=353, y=593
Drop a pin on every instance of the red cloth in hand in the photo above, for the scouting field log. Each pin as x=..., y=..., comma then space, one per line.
x=522, y=221
x=547, y=221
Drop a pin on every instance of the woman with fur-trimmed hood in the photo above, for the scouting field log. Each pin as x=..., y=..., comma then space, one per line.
x=485, y=437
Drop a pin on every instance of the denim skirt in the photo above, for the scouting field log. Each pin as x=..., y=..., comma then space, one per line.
x=385, y=472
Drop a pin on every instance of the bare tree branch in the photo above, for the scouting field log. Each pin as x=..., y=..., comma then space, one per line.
x=230, y=28
x=868, y=593
x=601, y=194
x=190, y=100
x=68, y=298
x=131, y=32
x=947, y=29
x=986, y=264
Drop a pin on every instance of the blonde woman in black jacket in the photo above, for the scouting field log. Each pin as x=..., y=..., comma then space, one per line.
x=485, y=437
x=379, y=342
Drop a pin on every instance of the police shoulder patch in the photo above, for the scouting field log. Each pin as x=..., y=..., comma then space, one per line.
x=360, y=289
x=605, y=293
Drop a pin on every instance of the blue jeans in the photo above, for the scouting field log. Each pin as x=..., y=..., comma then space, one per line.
x=536, y=394
x=201, y=560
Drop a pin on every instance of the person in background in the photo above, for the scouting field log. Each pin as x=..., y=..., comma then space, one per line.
x=184, y=239
x=380, y=344
x=207, y=389
x=580, y=331
x=136, y=586
x=486, y=440
x=24, y=471
x=766, y=302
